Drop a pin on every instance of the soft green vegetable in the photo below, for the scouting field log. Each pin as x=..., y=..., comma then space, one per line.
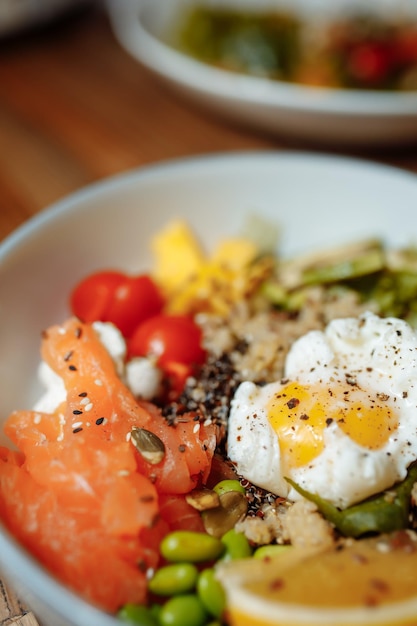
x=173, y=579
x=211, y=593
x=137, y=615
x=382, y=513
x=368, y=262
x=264, y=552
x=262, y=44
x=237, y=545
x=385, y=279
x=183, y=610
x=227, y=485
x=195, y=547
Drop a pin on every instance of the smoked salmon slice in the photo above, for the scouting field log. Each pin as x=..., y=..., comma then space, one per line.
x=77, y=492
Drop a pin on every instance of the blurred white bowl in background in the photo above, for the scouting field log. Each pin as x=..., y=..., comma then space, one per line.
x=324, y=115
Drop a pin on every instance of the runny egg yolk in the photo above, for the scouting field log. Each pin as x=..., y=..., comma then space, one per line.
x=300, y=414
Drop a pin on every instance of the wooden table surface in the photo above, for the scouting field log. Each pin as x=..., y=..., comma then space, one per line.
x=75, y=108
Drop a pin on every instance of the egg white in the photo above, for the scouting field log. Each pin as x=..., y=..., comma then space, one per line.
x=377, y=356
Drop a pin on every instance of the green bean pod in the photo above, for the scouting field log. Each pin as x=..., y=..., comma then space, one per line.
x=183, y=610
x=191, y=546
x=228, y=485
x=173, y=579
x=211, y=593
x=269, y=551
x=137, y=615
x=237, y=545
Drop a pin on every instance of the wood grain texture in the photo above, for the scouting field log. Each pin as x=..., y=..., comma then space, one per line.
x=12, y=611
x=75, y=108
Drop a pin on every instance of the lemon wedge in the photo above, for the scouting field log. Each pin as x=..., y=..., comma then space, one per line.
x=366, y=582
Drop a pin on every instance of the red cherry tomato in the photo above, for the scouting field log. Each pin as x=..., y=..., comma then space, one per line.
x=170, y=338
x=90, y=299
x=134, y=300
x=369, y=63
x=176, y=375
x=110, y=296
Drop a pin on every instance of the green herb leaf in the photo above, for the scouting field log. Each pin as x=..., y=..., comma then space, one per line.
x=382, y=513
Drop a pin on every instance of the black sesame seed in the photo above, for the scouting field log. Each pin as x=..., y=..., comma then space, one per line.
x=83, y=394
x=77, y=412
x=77, y=430
x=99, y=421
x=72, y=368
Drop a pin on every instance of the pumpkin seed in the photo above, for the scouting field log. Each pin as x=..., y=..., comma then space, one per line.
x=203, y=499
x=148, y=445
x=233, y=506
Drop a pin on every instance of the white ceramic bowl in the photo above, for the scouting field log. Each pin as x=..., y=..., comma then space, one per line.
x=317, y=201
x=331, y=116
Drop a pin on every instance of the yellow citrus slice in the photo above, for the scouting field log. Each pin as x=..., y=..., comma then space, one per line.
x=362, y=583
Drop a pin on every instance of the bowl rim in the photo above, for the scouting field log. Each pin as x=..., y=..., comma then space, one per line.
x=171, y=165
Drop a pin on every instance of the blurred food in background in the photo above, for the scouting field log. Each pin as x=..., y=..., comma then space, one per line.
x=356, y=51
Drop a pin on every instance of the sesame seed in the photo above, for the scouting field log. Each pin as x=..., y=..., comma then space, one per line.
x=82, y=394
x=100, y=420
x=196, y=428
x=77, y=412
x=77, y=430
x=98, y=382
x=72, y=368
x=85, y=400
x=88, y=406
x=37, y=418
x=77, y=424
x=123, y=472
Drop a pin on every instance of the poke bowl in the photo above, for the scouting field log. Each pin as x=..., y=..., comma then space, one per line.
x=278, y=205
x=205, y=65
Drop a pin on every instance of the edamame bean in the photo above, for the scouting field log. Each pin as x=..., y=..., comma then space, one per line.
x=237, y=545
x=211, y=592
x=137, y=614
x=173, y=579
x=183, y=610
x=191, y=546
x=270, y=551
x=228, y=485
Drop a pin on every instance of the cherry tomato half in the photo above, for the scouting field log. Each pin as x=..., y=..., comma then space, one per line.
x=111, y=296
x=134, y=300
x=170, y=338
x=90, y=299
